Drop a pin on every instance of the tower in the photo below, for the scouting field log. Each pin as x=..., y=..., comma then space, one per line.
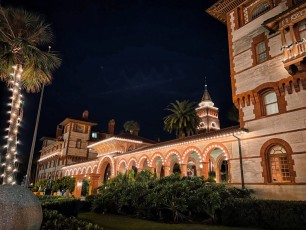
x=208, y=114
x=267, y=42
x=77, y=132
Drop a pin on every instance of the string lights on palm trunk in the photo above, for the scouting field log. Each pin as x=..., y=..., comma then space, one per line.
x=16, y=113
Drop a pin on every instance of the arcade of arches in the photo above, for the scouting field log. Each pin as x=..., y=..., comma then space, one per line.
x=210, y=160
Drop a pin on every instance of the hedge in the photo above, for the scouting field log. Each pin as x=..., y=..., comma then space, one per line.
x=66, y=206
x=170, y=199
x=266, y=214
x=56, y=221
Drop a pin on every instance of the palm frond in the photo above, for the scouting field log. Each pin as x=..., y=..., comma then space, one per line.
x=21, y=35
x=183, y=118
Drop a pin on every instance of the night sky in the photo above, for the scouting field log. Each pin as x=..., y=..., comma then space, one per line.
x=127, y=60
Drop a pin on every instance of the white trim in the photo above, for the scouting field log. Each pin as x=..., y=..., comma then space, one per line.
x=48, y=156
x=183, y=143
x=114, y=138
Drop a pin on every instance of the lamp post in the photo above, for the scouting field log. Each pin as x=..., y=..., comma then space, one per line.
x=34, y=139
x=28, y=176
x=240, y=159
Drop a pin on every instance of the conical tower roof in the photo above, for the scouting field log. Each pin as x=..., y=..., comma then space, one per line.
x=206, y=96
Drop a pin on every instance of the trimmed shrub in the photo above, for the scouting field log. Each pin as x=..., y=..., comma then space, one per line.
x=267, y=214
x=171, y=199
x=86, y=205
x=66, y=206
x=59, y=184
x=56, y=221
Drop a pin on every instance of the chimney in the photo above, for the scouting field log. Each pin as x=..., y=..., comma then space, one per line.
x=111, y=127
x=135, y=132
x=85, y=114
x=59, y=131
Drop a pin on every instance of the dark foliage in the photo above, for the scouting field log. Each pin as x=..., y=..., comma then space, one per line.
x=66, y=206
x=170, y=199
x=267, y=214
x=56, y=221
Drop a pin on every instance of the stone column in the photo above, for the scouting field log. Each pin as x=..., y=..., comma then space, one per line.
x=295, y=48
x=292, y=33
x=78, y=185
x=94, y=183
x=217, y=170
x=167, y=170
x=199, y=170
x=283, y=38
x=183, y=169
x=205, y=170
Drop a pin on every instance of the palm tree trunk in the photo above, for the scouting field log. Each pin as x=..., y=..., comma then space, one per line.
x=10, y=165
x=28, y=177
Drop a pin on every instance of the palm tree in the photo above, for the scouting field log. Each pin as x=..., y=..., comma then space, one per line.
x=131, y=127
x=183, y=118
x=23, y=65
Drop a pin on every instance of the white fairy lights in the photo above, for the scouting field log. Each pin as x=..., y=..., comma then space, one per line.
x=10, y=168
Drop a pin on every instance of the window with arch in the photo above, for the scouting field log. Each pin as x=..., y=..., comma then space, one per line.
x=270, y=104
x=260, y=9
x=279, y=164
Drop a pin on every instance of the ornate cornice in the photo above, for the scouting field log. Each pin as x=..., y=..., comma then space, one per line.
x=222, y=7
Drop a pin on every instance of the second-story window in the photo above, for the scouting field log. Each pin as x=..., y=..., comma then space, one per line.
x=270, y=103
x=78, y=143
x=261, y=52
x=78, y=128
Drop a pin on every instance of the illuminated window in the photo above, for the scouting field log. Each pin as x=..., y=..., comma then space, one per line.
x=270, y=103
x=279, y=165
x=260, y=9
x=78, y=128
x=94, y=135
x=261, y=52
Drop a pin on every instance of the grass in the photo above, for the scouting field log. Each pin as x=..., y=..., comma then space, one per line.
x=114, y=222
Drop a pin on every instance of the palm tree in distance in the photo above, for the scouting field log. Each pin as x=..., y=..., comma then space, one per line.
x=23, y=65
x=183, y=118
x=132, y=127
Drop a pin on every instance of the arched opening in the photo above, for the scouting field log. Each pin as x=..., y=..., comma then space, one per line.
x=85, y=187
x=144, y=164
x=174, y=162
x=122, y=168
x=176, y=168
x=107, y=173
x=162, y=172
x=218, y=166
x=157, y=164
x=134, y=168
x=224, y=171
x=193, y=164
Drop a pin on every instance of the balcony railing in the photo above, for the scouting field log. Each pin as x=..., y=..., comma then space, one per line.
x=51, y=149
x=294, y=50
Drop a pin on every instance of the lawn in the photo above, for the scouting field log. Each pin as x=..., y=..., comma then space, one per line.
x=114, y=222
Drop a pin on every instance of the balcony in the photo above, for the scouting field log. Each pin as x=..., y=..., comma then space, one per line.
x=51, y=150
x=294, y=56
